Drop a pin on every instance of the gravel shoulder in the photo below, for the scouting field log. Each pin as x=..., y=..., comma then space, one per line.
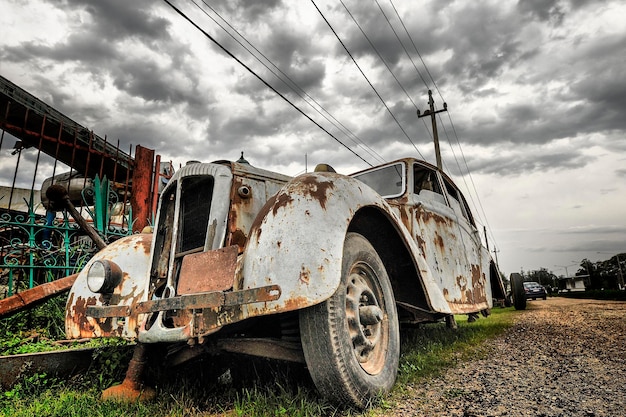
x=562, y=357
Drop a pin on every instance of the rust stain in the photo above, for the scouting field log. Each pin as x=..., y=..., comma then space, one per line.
x=461, y=282
x=439, y=242
x=78, y=316
x=421, y=243
x=296, y=303
x=404, y=217
x=235, y=198
x=305, y=275
x=318, y=190
x=282, y=200
x=426, y=216
x=239, y=238
x=478, y=282
x=474, y=293
x=207, y=271
x=255, y=229
x=144, y=243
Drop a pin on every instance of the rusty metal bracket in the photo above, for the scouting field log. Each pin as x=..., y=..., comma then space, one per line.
x=190, y=302
x=100, y=312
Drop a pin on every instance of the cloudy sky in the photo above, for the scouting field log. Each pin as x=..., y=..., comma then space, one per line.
x=536, y=92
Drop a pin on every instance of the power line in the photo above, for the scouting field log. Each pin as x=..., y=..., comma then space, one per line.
x=366, y=79
x=292, y=84
x=378, y=53
x=184, y=16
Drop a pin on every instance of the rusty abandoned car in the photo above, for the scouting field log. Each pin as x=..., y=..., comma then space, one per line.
x=322, y=269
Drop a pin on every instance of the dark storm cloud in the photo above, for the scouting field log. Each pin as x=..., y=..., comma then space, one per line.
x=149, y=135
x=285, y=56
x=249, y=10
x=589, y=245
x=553, y=11
x=366, y=32
x=79, y=47
x=483, y=42
x=119, y=19
x=544, y=10
x=248, y=126
x=524, y=162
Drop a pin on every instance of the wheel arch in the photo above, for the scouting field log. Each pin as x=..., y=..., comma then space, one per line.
x=381, y=231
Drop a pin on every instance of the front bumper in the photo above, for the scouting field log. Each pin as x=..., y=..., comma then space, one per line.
x=223, y=308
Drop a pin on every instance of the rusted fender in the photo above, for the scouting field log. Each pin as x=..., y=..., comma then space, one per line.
x=132, y=255
x=297, y=242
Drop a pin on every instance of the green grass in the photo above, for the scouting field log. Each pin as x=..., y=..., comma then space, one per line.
x=257, y=388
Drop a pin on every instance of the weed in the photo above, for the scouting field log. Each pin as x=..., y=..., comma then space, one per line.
x=33, y=330
x=254, y=387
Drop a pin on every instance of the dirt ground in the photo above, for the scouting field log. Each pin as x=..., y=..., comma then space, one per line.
x=562, y=357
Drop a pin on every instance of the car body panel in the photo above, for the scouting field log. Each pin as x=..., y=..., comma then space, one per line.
x=232, y=242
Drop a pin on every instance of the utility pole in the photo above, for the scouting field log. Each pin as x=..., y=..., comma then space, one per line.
x=431, y=112
x=495, y=253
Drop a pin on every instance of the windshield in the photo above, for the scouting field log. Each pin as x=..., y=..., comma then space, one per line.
x=388, y=181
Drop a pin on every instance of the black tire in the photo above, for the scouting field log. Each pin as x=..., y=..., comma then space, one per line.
x=351, y=341
x=517, y=290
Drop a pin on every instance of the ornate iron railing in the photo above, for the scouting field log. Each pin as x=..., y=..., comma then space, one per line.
x=37, y=248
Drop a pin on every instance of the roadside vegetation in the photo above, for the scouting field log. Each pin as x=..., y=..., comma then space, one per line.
x=228, y=386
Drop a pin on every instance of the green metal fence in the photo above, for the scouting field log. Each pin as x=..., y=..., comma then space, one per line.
x=38, y=248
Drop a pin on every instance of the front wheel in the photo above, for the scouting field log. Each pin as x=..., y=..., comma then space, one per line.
x=351, y=341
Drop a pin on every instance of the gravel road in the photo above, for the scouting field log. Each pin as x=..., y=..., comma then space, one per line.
x=562, y=357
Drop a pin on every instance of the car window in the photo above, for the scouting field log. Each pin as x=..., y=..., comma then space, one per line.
x=388, y=181
x=425, y=179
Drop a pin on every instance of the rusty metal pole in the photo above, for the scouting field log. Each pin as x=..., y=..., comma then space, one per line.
x=132, y=388
x=141, y=193
x=155, y=186
x=59, y=198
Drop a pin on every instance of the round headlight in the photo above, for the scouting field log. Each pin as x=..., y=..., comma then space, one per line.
x=103, y=276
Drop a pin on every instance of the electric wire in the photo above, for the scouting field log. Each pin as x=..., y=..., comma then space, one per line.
x=378, y=53
x=407, y=54
x=449, y=116
x=292, y=84
x=230, y=54
x=367, y=79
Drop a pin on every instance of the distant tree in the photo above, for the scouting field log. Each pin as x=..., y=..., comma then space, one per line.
x=606, y=274
x=542, y=276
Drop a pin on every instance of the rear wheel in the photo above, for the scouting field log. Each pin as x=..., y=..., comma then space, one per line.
x=351, y=341
x=517, y=290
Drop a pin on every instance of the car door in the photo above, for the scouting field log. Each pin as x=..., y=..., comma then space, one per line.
x=436, y=231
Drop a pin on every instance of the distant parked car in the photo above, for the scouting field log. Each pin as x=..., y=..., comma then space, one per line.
x=534, y=290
